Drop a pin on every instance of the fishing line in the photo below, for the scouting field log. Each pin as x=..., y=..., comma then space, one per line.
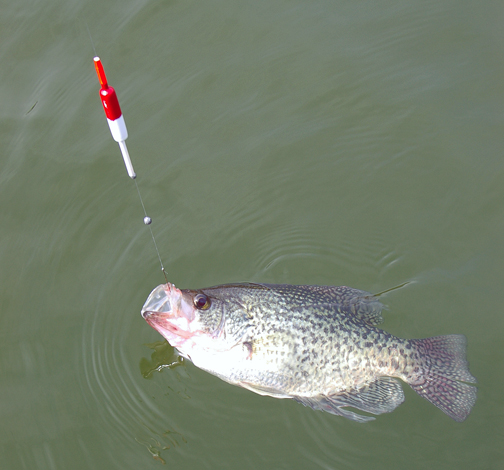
x=119, y=133
x=148, y=222
x=91, y=39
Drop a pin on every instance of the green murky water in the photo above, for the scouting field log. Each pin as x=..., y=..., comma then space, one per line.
x=318, y=142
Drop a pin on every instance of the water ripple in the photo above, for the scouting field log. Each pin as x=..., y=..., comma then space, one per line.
x=112, y=382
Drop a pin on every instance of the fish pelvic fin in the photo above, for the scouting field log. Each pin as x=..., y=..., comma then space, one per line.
x=442, y=373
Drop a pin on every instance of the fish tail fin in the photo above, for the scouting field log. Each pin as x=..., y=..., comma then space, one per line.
x=442, y=369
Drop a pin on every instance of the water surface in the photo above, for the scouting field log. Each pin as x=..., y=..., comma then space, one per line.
x=317, y=142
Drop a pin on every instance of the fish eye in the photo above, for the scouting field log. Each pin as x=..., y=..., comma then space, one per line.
x=201, y=302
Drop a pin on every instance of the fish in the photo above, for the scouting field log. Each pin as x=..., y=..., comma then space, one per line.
x=318, y=345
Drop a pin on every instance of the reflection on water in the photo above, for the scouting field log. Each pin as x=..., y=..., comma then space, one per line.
x=114, y=384
x=156, y=443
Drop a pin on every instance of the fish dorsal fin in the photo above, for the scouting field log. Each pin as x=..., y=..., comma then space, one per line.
x=381, y=396
x=364, y=305
x=361, y=304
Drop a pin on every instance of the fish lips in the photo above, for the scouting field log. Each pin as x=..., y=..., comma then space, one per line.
x=165, y=311
x=159, y=301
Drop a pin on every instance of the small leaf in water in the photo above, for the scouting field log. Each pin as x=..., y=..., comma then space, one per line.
x=163, y=356
x=31, y=109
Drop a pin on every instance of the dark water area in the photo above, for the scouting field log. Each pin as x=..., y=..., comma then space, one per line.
x=323, y=142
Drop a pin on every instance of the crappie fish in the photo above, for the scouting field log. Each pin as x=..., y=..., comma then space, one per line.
x=319, y=345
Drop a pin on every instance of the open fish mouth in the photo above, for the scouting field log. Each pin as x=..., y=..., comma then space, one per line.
x=167, y=313
x=159, y=301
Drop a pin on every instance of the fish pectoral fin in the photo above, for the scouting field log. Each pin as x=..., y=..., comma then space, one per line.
x=381, y=396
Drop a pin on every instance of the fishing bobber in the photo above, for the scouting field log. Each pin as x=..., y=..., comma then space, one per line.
x=114, y=115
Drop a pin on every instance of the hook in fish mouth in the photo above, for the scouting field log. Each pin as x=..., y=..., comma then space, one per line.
x=159, y=301
x=166, y=311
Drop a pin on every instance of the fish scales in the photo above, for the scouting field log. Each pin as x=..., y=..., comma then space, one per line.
x=303, y=325
x=319, y=345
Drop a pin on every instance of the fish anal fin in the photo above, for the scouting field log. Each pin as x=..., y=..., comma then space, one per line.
x=333, y=406
x=381, y=396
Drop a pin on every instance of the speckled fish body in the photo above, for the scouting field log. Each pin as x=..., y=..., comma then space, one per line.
x=319, y=345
